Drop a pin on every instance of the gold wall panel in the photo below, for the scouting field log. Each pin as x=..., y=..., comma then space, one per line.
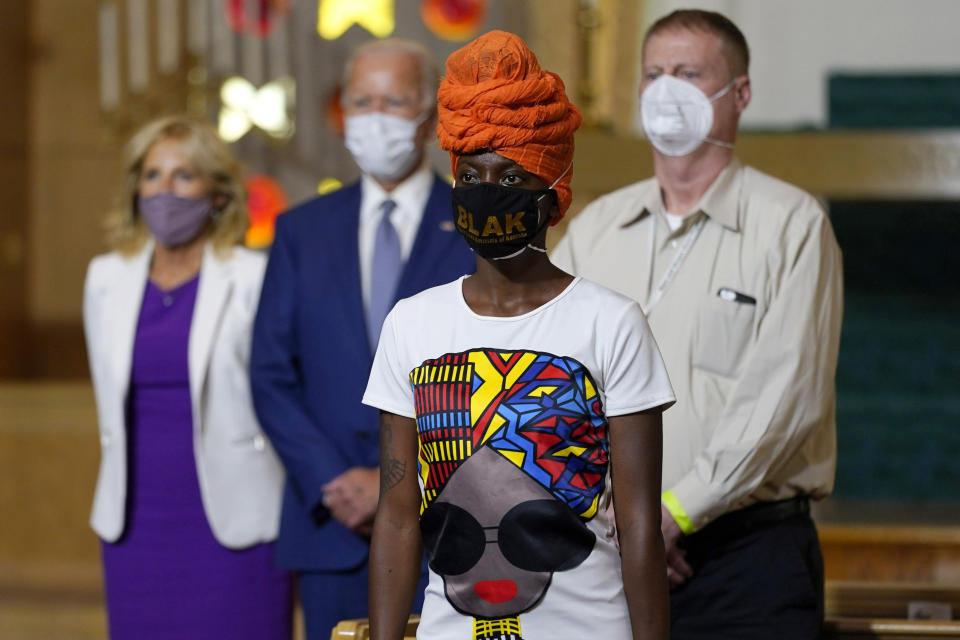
x=49, y=454
x=74, y=162
x=829, y=164
x=14, y=215
x=554, y=36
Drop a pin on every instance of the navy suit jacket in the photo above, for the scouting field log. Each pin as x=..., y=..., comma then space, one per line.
x=311, y=358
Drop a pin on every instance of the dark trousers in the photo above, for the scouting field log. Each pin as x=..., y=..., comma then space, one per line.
x=329, y=597
x=761, y=583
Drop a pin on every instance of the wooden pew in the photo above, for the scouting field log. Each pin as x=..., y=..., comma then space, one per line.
x=888, y=629
x=891, y=551
x=855, y=610
x=835, y=628
x=858, y=610
x=860, y=599
x=874, y=570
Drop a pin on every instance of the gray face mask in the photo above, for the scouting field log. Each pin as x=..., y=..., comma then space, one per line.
x=174, y=220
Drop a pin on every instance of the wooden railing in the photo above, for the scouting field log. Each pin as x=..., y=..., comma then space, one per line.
x=854, y=611
x=878, y=610
x=884, y=629
x=899, y=551
x=360, y=629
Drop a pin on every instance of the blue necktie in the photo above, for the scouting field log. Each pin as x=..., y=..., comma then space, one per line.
x=384, y=273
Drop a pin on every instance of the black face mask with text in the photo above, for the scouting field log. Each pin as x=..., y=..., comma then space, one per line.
x=499, y=222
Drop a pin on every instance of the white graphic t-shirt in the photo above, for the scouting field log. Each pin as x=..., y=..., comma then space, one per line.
x=511, y=416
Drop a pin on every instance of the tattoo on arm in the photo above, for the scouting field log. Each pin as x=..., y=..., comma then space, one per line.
x=392, y=470
x=393, y=474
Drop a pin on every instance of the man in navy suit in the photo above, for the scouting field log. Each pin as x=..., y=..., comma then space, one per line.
x=338, y=264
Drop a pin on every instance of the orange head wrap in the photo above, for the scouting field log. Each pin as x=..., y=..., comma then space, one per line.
x=495, y=97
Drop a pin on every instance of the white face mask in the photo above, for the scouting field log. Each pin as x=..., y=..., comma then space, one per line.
x=677, y=116
x=383, y=145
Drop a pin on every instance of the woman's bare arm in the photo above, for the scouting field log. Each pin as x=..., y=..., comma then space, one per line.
x=636, y=451
x=395, y=550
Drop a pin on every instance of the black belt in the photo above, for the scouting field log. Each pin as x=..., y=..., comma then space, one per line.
x=739, y=523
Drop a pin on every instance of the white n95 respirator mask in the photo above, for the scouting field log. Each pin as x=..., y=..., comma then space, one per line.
x=382, y=145
x=677, y=116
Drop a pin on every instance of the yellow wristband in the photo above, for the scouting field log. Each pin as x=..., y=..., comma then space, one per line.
x=673, y=506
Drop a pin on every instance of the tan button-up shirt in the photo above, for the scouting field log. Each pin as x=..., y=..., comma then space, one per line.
x=749, y=327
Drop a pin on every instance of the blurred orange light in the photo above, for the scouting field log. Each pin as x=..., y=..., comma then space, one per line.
x=265, y=201
x=333, y=111
x=455, y=20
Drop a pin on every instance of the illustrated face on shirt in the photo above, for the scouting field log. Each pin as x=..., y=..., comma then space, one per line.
x=497, y=555
x=513, y=459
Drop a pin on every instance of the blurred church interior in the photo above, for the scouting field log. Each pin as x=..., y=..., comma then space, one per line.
x=857, y=102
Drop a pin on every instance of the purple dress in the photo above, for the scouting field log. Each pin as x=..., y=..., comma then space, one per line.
x=167, y=577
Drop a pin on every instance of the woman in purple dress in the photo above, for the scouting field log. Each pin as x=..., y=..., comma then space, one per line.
x=188, y=495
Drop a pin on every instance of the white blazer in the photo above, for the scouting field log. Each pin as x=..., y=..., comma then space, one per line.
x=241, y=478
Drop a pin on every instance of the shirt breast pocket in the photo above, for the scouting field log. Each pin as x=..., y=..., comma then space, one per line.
x=723, y=333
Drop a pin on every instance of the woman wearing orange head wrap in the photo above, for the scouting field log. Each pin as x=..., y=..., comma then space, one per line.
x=510, y=397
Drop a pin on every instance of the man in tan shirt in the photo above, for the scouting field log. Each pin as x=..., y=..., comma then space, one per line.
x=741, y=278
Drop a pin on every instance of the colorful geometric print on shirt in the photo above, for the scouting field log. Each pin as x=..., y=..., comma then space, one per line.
x=513, y=459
